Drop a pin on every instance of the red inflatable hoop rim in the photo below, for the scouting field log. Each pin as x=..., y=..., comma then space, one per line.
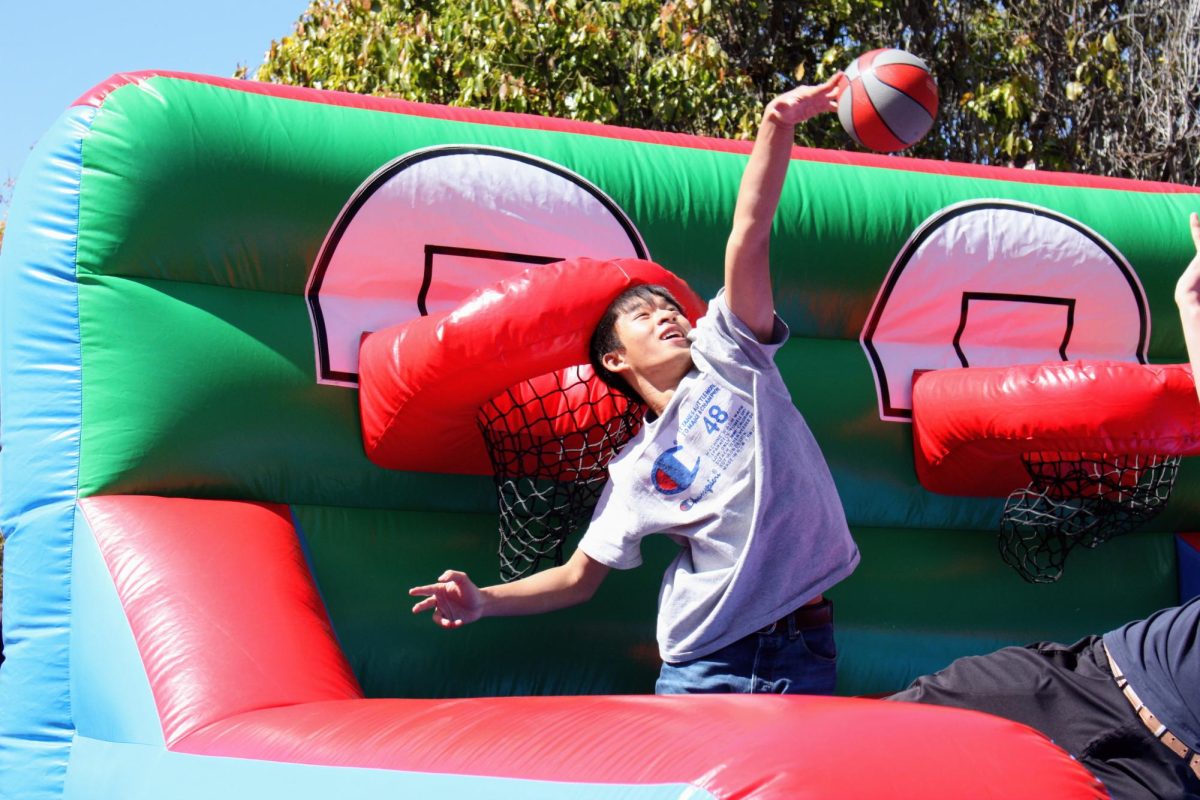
x=971, y=425
x=423, y=381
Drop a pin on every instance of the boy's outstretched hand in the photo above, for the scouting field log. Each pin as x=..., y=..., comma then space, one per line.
x=455, y=599
x=803, y=102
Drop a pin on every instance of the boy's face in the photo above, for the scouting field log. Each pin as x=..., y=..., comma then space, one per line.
x=654, y=341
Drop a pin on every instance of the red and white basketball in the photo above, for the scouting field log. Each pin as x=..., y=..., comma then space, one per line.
x=889, y=101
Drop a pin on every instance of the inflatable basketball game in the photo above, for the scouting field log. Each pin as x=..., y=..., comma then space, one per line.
x=214, y=293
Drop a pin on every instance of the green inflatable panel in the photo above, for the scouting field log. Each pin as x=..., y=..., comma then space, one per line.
x=210, y=217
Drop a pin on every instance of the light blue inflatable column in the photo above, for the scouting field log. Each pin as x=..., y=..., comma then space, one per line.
x=40, y=407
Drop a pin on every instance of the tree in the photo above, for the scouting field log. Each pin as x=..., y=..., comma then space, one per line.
x=1107, y=87
x=642, y=63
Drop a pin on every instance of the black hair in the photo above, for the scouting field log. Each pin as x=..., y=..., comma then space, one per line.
x=605, y=339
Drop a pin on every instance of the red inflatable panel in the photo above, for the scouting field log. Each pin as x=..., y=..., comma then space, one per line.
x=222, y=607
x=970, y=426
x=242, y=665
x=421, y=383
x=732, y=746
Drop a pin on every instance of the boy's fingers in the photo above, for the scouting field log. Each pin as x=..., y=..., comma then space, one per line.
x=424, y=605
x=444, y=621
x=835, y=86
x=1195, y=222
x=423, y=591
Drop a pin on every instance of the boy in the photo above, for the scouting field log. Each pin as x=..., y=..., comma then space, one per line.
x=725, y=465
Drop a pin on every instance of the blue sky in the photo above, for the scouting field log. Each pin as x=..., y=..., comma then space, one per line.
x=53, y=51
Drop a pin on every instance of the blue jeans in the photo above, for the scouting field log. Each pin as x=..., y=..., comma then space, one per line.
x=783, y=661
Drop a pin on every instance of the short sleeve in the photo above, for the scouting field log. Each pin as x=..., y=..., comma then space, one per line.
x=613, y=536
x=725, y=343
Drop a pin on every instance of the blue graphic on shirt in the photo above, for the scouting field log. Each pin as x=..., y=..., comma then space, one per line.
x=688, y=502
x=670, y=476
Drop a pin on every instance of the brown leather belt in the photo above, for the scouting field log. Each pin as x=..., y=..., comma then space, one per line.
x=804, y=618
x=1173, y=742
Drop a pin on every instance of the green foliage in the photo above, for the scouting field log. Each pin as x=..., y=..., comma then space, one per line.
x=1052, y=64
x=1107, y=87
x=1043, y=82
x=696, y=66
x=634, y=62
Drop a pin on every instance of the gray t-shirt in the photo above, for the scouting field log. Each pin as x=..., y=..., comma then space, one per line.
x=731, y=472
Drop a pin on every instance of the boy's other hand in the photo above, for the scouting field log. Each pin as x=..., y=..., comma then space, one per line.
x=804, y=102
x=455, y=599
x=1187, y=289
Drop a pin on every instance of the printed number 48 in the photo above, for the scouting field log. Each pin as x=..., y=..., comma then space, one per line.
x=716, y=416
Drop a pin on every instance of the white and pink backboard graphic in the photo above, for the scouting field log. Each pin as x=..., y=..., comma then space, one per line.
x=995, y=283
x=432, y=226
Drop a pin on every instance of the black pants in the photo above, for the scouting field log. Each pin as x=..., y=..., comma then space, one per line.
x=1068, y=693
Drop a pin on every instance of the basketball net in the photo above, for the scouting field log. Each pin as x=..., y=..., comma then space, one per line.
x=1097, y=445
x=1079, y=500
x=550, y=440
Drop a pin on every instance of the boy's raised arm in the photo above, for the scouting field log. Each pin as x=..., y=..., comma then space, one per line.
x=747, y=255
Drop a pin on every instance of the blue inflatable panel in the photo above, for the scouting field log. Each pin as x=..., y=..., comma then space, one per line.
x=40, y=392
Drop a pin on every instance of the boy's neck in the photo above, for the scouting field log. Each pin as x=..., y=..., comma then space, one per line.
x=658, y=401
x=657, y=394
